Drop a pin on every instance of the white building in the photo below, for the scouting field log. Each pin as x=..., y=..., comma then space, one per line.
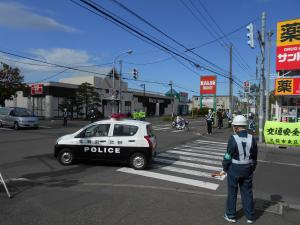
x=46, y=104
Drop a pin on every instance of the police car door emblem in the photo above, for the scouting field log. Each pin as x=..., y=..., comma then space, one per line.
x=102, y=150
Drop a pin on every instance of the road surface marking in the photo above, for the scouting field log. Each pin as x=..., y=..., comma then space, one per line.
x=3, y=128
x=186, y=171
x=175, y=131
x=180, y=163
x=187, y=158
x=211, y=149
x=45, y=127
x=181, y=180
x=199, y=151
x=206, y=148
x=195, y=154
x=210, y=142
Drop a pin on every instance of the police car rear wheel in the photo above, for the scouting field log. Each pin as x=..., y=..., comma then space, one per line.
x=138, y=161
x=66, y=157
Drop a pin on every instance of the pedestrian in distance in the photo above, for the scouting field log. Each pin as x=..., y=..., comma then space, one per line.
x=92, y=116
x=220, y=118
x=239, y=163
x=229, y=117
x=251, y=124
x=65, y=117
x=209, y=121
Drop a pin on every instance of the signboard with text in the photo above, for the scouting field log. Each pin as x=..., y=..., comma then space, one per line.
x=282, y=133
x=36, y=89
x=246, y=87
x=208, y=85
x=288, y=45
x=287, y=86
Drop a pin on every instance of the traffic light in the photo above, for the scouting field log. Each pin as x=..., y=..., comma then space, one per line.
x=135, y=73
x=250, y=35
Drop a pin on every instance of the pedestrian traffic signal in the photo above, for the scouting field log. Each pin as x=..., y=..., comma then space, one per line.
x=250, y=35
x=135, y=73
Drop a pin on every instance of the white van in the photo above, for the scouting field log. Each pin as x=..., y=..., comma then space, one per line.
x=17, y=117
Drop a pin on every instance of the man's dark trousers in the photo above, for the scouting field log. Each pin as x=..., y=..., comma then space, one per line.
x=240, y=175
x=209, y=126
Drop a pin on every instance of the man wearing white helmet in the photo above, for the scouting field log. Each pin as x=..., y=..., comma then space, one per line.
x=239, y=162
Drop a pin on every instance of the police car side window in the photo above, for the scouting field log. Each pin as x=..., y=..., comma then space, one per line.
x=124, y=130
x=100, y=130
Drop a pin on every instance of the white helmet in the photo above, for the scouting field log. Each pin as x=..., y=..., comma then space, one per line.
x=239, y=120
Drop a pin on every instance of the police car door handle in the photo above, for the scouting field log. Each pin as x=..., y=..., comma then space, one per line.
x=111, y=142
x=102, y=141
x=131, y=141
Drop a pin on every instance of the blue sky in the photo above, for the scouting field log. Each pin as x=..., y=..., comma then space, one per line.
x=61, y=32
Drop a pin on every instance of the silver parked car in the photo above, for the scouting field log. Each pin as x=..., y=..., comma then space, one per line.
x=17, y=117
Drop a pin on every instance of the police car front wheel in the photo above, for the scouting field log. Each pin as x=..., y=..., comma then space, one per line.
x=138, y=161
x=66, y=157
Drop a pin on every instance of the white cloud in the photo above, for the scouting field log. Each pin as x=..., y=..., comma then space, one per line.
x=18, y=16
x=61, y=56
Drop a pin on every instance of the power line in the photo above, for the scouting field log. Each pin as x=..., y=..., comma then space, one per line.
x=210, y=29
x=123, y=24
x=220, y=29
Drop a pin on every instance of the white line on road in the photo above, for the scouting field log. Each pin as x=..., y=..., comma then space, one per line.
x=170, y=178
x=195, y=154
x=210, y=142
x=199, y=151
x=175, y=131
x=202, y=148
x=45, y=127
x=180, y=163
x=187, y=171
x=3, y=128
x=193, y=159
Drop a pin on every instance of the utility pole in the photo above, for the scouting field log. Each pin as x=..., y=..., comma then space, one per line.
x=270, y=33
x=120, y=88
x=262, y=78
x=171, y=85
x=230, y=80
x=144, y=96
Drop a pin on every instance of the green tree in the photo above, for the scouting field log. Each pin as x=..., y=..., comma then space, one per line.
x=87, y=97
x=10, y=82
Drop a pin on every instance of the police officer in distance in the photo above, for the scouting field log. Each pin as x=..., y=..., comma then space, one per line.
x=209, y=121
x=239, y=162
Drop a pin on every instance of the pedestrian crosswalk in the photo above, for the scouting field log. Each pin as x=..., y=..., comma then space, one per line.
x=165, y=128
x=189, y=164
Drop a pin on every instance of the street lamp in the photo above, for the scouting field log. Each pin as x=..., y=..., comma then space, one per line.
x=113, y=84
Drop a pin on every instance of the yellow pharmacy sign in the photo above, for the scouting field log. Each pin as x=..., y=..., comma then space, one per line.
x=288, y=32
x=284, y=86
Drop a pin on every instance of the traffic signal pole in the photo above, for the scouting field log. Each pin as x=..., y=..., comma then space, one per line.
x=262, y=79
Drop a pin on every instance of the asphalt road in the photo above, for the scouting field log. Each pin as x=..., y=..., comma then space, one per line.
x=177, y=189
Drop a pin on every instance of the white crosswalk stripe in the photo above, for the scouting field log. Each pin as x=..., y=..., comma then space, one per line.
x=189, y=164
x=199, y=151
x=222, y=150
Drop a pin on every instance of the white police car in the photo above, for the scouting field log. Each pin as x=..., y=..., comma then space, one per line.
x=110, y=140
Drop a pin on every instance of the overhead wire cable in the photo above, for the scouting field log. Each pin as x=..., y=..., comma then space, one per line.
x=163, y=33
x=139, y=33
